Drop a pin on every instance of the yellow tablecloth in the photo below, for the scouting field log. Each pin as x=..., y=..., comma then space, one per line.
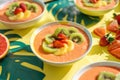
x=97, y=53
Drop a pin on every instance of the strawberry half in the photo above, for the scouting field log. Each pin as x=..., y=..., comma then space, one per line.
x=18, y=10
x=58, y=44
x=105, y=40
x=93, y=1
x=23, y=6
x=117, y=17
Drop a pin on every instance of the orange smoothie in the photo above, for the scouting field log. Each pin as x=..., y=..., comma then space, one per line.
x=108, y=6
x=5, y=18
x=92, y=73
x=79, y=49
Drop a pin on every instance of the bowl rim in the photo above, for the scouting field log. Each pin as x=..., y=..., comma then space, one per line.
x=41, y=3
x=77, y=75
x=61, y=22
x=117, y=2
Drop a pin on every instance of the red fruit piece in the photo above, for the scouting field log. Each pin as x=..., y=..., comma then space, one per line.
x=61, y=36
x=117, y=35
x=114, y=45
x=116, y=53
x=93, y=1
x=18, y=10
x=100, y=31
x=58, y=44
x=113, y=26
x=23, y=6
x=117, y=17
x=103, y=41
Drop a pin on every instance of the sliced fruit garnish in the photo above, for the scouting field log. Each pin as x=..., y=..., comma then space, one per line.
x=61, y=30
x=93, y=1
x=61, y=36
x=20, y=16
x=27, y=14
x=18, y=10
x=4, y=45
x=62, y=50
x=23, y=6
x=49, y=38
x=100, y=31
x=115, y=52
x=113, y=26
x=77, y=37
x=105, y=75
x=58, y=44
x=47, y=48
x=70, y=45
x=72, y=30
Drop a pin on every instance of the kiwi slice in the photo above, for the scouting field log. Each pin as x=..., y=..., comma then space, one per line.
x=117, y=77
x=72, y=30
x=61, y=30
x=13, y=6
x=105, y=75
x=9, y=13
x=34, y=7
x=77, y=37
x=49, y=38
x=47, y=48
x=28, y=5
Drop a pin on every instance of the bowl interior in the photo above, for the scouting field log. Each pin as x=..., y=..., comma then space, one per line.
x=95, y=64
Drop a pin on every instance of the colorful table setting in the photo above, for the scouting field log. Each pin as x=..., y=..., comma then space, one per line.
x=26, y=24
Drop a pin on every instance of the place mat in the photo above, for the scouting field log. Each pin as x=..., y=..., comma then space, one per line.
x=22, y=64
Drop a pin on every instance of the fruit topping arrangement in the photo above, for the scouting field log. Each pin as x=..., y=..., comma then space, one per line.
x=106, y=75
x=110, y=36
x=20, y=10
x=62, y=40
x=96, y=3
x=4, y=45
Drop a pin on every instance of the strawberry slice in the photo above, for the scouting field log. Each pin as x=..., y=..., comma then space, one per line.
x=58, y=44
x=113, y=26
x=117, y=35
x=117, y=17
x=93, y=1
x=23, y=6
x=61, y=36
x=114, y=45
x=18, y=10
x=115, y=52
x=100, y=31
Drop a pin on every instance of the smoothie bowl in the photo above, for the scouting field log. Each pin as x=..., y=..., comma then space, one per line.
x=61, y=43
x=96, y=7
x=99, y=71
x=19, y=14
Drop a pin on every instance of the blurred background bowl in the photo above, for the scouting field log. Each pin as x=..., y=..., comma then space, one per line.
x=94, y=11
x=85, y=30
x=26, y=23
x=107, y=64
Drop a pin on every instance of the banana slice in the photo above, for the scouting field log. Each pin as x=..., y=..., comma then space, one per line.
x=12, y=17
x=27, y=14
x=70, y=45
x=62, y=50
x=20, y=16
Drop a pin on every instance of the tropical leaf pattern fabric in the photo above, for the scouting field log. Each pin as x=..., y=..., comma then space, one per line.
x=66, y=10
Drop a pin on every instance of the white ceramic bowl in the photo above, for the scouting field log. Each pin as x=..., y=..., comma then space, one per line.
x=71, y=24
x=24, y=24
x=95, y=12
x=79, y=73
